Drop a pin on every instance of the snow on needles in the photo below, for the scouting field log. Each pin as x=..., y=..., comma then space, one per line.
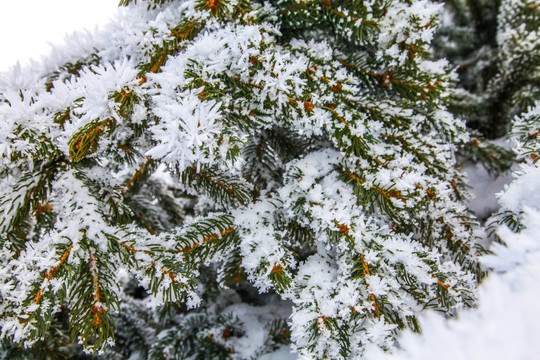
x=351, y=207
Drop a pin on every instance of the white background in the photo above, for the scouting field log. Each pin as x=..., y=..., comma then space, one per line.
x=28, y=26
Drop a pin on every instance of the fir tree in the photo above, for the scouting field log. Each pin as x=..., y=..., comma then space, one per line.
x=213, y=150
x=494, y=46
x=518, y=26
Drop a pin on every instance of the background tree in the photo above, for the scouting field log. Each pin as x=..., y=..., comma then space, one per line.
x=492, y=46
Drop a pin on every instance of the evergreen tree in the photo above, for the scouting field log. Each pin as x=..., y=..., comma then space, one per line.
x=493, y=45
x=519, y=24
x=223, y=161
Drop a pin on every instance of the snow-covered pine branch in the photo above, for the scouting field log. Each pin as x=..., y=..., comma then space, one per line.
x=314, y=135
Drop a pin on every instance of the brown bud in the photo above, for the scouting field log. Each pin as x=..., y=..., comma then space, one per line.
x=276, y=269
x=336, y=88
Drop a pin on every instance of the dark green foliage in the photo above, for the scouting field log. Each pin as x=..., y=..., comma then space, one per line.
x=228, y=190
x=495, y=73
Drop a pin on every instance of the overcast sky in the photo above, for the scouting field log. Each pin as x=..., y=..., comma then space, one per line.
x=28, y=26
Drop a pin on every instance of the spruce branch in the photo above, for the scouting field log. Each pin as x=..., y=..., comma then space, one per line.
x=302, y=148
